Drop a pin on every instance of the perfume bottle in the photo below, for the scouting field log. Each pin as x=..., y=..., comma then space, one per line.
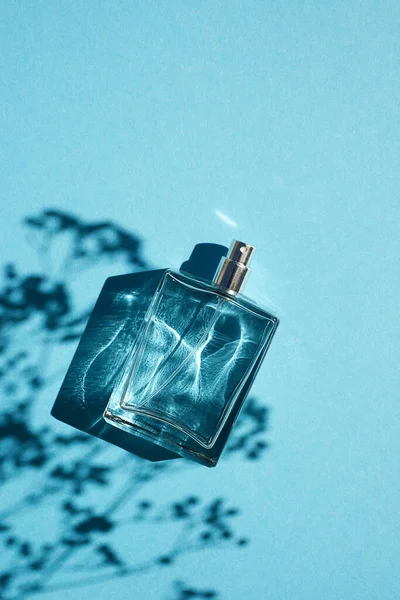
x=193, y=361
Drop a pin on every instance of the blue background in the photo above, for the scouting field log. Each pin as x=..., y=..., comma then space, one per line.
x=274, y=123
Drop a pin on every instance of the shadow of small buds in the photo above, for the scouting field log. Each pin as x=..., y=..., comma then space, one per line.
x=182, y=591
x=90, y=500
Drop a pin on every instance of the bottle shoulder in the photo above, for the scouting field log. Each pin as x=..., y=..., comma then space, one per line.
x=241, y=301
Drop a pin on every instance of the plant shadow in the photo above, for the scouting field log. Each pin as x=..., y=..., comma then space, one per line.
x=69, y=501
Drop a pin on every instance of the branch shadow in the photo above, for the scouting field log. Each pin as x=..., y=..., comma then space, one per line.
x=86, y=495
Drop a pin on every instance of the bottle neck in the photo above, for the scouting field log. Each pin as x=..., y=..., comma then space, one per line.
x=231, y=276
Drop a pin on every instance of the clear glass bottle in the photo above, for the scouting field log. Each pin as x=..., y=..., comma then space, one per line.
x=193, y=361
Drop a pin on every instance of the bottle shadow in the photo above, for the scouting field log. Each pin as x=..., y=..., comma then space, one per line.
x=104, y=349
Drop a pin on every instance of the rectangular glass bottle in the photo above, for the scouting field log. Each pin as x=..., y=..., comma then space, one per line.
x=198, y=348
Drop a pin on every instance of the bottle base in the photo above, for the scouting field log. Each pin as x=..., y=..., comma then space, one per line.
x=153, y=430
